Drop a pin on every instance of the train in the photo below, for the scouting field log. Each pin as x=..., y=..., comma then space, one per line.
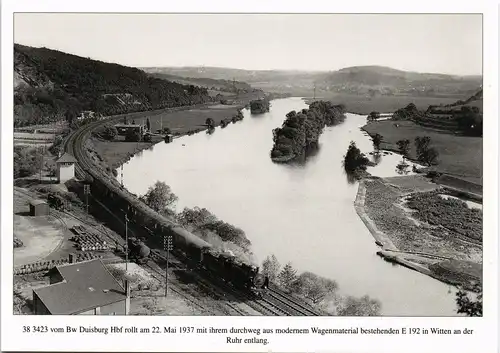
x=109, y=191
x=222, y=265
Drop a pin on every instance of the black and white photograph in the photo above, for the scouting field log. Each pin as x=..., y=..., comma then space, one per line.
x=169, y=164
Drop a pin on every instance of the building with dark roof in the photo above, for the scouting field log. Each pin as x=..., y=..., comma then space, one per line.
x=65, y=168
x=83, y=288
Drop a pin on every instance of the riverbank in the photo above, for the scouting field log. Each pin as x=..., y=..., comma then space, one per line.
x=460, y=157
x=404, y=239
x=189, y=120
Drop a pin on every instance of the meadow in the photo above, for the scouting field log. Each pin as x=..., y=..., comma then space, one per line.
x=459, y=156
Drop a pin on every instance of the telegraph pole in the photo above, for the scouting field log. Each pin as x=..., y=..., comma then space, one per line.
x=42, y=151
x=126, y=243
x=121, y=169
x=167, y=246
x=86, y=191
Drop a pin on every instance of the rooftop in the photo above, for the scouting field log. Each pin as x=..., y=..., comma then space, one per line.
x=66, y=158
x=86, y=285
x=37, y=202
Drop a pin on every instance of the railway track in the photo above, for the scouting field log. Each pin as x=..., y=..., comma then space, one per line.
x=285, y=299
x=273, y=303
x=217, y=294
x=224, y=289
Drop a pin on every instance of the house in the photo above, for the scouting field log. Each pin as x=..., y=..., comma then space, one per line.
x=65, y=168
x=124, y=129
x=39, y=208
x=83, y=288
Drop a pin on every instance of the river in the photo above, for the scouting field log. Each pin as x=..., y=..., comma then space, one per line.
x=303, y=214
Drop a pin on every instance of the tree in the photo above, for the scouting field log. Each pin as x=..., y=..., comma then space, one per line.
x=430, y=156
x=373, y=116
x=470, y=306
x=377, y=140
x=354, y=160
x=422, y=144
x=148, y=137
x=404, y=147
x=271, y=267
x=160, y=198
x=133, y=136
x=314, y=287
x=70, y=115
x=364, y=306
x=125, y=120
x=287, y=276
x=402, y=168
x=210, y=123
x=148, y=124
x=109, y=132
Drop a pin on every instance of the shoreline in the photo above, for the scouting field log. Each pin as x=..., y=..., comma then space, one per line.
x=419, y=261
x=389, y=251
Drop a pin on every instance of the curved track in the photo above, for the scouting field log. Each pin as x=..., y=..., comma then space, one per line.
x=272, y=303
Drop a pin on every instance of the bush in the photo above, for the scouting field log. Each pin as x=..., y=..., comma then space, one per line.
x=133, y=136
x=27, y=161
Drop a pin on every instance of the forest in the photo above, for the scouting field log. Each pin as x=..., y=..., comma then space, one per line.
x=55, y=86
x=300, y=131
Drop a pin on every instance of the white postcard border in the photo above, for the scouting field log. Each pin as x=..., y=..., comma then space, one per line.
x=485, y=337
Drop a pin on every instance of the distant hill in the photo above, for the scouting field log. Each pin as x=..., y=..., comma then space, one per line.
x=359, y=80
x=388, y=81
x=208, y=83
x=50, y=85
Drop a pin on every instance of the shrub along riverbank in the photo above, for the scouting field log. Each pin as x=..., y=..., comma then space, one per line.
x=300, y=131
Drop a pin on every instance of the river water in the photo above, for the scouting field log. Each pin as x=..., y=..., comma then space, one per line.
x=303, y=214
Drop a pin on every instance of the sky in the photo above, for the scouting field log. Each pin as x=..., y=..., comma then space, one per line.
x=448, y=44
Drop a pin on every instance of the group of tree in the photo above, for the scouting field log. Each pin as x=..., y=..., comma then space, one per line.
x=470, y=121
x=321, y=292
x=259, y=106
x=108, y=132
x=201, y=221
x=27, y=161
x=355, y=162
x=69, y=83
x=470, y=304
x=133, y=135
x=301, y=130
x=410, y=112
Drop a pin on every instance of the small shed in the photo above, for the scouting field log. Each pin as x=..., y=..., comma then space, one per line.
x=39, y=208
x=65, y=168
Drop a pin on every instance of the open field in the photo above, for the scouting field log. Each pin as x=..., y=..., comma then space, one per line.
x=33, y=139
x=359, y=104
x=459, y=156
x=115, y=153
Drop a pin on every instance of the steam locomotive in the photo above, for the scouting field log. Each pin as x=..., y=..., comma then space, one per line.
x=221, y=265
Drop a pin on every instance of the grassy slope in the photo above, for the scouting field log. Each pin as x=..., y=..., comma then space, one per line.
x=458, y=155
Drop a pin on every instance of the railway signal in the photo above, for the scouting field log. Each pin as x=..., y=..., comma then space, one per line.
x=167, y=246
